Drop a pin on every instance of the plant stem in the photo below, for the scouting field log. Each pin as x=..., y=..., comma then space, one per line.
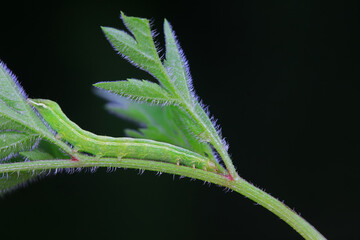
x=239, y=185
x=278, y=208
x=214, y=138
x=227, y=161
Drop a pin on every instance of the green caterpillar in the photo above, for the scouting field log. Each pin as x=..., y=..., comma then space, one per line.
x=104, y=146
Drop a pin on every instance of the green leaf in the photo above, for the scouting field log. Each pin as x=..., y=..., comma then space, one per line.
x=14, y=142
x=45, y=151
x=176, y=64
x=140, y=51
x=174, y=77
x=143, y=91
x=14, y=110
x=17, y=118
x=20, y=127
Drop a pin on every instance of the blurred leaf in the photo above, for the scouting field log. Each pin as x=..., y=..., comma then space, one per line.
x=159, y=123
x=13, y=180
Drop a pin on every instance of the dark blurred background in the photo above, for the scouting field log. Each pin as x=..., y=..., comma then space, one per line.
x=280, y=77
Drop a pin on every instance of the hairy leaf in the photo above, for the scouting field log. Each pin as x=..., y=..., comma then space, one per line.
x=143, y=91
x=14, y=110
x=13, y=142
x=20, y=127
x=173, y=74
x=140, y=51
x=45, y=151
x=12, y=180
x=176, y=64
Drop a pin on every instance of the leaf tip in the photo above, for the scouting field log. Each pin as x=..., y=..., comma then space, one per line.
x=122, y=14
x=99, y=84
x=106, y=31
x=4, y=70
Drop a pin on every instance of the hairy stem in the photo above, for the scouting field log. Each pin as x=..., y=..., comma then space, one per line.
x=239, y=185
x=277, y=207
x=214, y=139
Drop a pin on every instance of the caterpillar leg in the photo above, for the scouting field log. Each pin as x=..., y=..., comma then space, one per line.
x=75, y=150
x=98, y=157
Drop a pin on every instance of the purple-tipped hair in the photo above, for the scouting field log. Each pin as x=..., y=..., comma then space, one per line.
x=185, y=64
x=15, y=80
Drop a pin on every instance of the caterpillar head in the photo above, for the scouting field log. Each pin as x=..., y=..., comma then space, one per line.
x=45, y=107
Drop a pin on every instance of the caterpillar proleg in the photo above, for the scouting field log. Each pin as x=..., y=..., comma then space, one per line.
x=104, y=146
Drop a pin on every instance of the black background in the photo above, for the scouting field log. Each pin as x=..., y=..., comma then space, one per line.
x=279, y=77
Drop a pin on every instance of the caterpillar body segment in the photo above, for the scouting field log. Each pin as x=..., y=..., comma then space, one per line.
x=104, y=146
